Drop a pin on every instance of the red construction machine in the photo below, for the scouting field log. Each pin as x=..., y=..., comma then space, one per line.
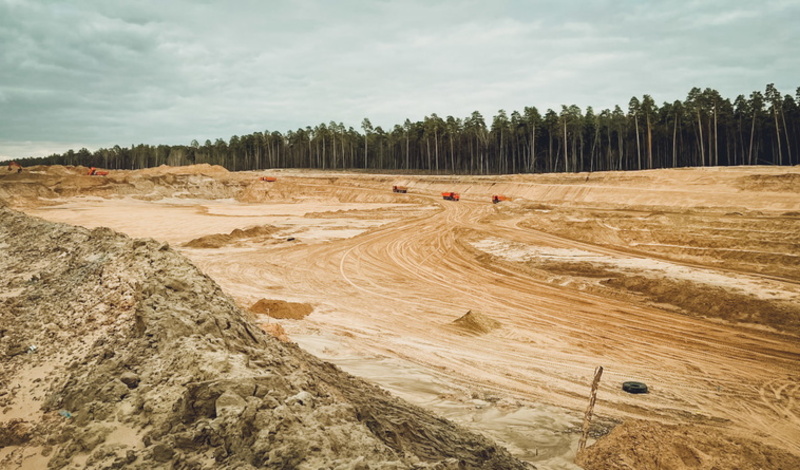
x=95, y=172
x=14, y=166
x=451, y=196
x=399, y=189
x=268, y=179
x=498, y=198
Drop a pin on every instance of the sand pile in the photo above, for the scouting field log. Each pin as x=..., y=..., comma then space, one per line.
x=640, y=445
x=206, y=169
x=119, y=353
x=281, y=309
x=260, y=233
x=37, y=185
x=475, y=323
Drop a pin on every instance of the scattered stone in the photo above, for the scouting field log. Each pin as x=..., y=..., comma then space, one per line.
x=162, y=453
x=230, y=403
x=130, y=379
x=303, y=399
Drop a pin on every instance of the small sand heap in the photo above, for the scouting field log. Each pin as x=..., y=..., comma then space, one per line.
x=476, y=323
x=281, y=309
x=218, y=240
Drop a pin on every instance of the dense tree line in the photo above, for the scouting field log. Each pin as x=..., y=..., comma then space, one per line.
x=703, y=130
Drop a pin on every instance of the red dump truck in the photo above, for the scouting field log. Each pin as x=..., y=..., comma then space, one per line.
x=499, y=198
x=399, y=189
x=451, y=196
x=95, y=172
x=14, y=166
x=268, y=179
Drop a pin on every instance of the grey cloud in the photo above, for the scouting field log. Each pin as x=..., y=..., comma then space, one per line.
x=102, y=73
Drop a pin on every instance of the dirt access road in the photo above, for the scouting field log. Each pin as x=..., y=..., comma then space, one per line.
x=684, y=279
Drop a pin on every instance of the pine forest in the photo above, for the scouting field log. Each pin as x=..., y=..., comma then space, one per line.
x=705, y=129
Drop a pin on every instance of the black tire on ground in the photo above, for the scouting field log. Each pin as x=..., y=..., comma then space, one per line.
x=634, y=387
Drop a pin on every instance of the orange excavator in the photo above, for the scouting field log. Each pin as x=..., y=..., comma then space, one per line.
x=95, y=172
x=268, y=179
x=498, y=198
x=14, y=166
x=399, y=189
x=451, y=196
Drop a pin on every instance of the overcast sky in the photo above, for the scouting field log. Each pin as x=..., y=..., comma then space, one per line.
x=95, y=73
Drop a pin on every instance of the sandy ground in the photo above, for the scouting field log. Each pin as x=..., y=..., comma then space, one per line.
x=687, y=280
x=119, y=353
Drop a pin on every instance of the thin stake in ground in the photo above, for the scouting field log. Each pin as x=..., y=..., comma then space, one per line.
x=587, y=417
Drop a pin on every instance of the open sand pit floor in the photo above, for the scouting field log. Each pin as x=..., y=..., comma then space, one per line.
x=687, y=280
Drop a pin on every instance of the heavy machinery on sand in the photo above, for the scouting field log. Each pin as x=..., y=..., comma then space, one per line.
x=95, y=172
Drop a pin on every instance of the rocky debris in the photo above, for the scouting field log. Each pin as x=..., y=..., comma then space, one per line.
x=143, y=362
x=14, y=432
x=475, y=323
x=645, y=445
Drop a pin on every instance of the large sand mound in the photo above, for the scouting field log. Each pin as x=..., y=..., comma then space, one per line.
x=41, y=185
x=120, y=353
x=639, y=445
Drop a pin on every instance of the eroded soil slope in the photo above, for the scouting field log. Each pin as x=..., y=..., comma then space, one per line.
x=119, y=353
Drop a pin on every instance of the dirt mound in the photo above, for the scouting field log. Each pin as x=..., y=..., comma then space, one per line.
x=258, y=233
x=262, y=191
x=199, y=169
x=475, y=323
x=136, y=359
x=713, y=302
x=642, y=445
x=281, y=309
x=786, y=182
x=197, y=181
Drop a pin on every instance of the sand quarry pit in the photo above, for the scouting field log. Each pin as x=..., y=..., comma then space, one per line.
x=687, y=280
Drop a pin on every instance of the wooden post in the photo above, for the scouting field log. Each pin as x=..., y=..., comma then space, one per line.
x=587, y=418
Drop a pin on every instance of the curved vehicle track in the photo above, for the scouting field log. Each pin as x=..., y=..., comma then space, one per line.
x=395, y=289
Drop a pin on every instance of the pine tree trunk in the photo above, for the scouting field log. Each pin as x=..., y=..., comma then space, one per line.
x=649, y=143
x=716, y=141
x=566, y=159
x=778, y=135
x=752, y=133
x=702, y=151
x=533, y=150
x=638, y=148
x=786, y=136
x=675, y=143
